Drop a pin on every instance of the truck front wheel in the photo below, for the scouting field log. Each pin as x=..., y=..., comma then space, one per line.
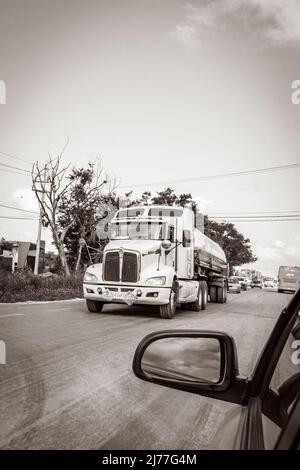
x=168, y=311
x=94, y=306
x=196, y=306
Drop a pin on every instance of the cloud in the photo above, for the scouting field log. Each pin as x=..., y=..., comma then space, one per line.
x=275, y=21
x=279, y=244
x=281, y=252
x=286, y=17
x=186, y=35
x=267, y=253
x=202, y=203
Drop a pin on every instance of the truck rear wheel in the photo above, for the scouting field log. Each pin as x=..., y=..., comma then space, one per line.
x=94, y=306
x=221, y=295
x=168, y=311
x=196, y=305
x=204, y=289
x=213, y=294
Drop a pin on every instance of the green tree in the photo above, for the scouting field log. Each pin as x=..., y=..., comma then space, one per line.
x=237, y=248
x=90, y=189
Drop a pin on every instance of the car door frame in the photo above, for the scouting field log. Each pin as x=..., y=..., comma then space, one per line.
x=260, y=399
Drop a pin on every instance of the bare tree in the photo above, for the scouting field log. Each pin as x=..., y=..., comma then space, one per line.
x=50, y=184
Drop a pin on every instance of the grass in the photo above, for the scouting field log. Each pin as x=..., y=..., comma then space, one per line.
x=23, y=286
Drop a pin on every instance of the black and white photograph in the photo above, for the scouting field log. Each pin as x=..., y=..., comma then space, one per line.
x=149, y=229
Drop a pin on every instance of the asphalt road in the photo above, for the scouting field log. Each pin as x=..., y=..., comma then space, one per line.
x=68, y=384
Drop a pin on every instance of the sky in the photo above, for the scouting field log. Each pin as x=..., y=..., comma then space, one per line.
x=160, y=90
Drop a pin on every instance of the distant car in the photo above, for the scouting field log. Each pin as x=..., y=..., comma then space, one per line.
x=242, y=281
x=256, y=283
x=269, y=284
x=234, y=285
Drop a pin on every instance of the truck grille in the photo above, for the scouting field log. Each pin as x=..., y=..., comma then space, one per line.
x=129, y=267
x=112, y=266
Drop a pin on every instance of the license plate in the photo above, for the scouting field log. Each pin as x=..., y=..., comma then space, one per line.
x=127, y=297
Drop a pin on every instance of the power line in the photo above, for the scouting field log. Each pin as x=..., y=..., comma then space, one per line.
x=18, y=209
x=14, y=172
x=259, y=216
x=9, y=155
x=255, y=219
x=16, y=218
x=210, y=177
x=15, y=167
x=287, y=212
x=255, y=216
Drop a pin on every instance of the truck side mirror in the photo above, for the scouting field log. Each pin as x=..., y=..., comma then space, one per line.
x=171, y=234
x=186, y=238
x=166, y=244
x=190, y=360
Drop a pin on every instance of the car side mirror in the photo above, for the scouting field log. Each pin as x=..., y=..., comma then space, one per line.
x=190, y=360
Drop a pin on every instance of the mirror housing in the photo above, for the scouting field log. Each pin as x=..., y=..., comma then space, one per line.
x=228, y=363
x=166, y=244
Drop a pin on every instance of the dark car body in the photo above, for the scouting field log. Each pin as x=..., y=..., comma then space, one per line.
x=267, y=415
x=243, y=282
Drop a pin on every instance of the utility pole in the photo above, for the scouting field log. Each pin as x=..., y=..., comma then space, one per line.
x=38, y=241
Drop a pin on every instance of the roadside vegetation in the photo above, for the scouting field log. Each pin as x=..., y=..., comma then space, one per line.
x=23, y=286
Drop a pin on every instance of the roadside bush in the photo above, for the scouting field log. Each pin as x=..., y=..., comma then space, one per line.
x=22, y=286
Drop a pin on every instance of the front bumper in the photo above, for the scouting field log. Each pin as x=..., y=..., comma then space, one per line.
x=127, y=294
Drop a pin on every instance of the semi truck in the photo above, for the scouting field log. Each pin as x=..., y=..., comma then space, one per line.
x=288, y=278
x=156, y=256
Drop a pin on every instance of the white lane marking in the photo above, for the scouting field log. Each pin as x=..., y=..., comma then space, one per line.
x=57, y=309
x=27, y=313
x=40, y=302
x=13, y=315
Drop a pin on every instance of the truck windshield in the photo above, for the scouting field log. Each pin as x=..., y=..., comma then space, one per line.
x=139, y=230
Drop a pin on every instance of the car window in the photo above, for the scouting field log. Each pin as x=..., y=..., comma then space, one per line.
x=289, y=362
x=287, y=367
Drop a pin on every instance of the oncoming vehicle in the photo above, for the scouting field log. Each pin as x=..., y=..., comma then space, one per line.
x=267, y=411
x=156, y=256
x=242, y=281
x=256, y=283
x=288, y=278
x=234, y=285
x=269, y=284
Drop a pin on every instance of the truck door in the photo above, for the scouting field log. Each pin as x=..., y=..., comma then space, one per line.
x=185, y=256
x=171, y=256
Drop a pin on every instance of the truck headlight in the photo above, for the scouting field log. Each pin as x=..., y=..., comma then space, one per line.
x=88, y=277
x=156, y=281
